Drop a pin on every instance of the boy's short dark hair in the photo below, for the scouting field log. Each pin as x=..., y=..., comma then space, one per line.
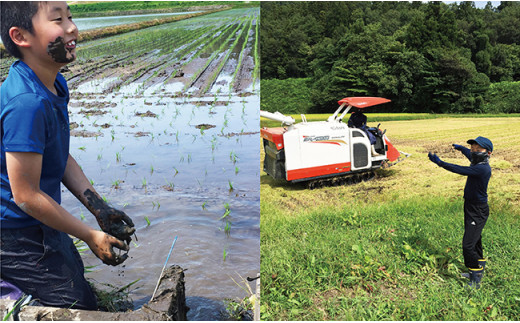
x=16, y=14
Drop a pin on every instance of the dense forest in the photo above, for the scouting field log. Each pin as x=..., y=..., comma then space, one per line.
x=426, y=57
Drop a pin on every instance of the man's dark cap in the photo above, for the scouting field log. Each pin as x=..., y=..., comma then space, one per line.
x=482, y=142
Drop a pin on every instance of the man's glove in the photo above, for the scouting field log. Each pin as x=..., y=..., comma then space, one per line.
x=457, y=147
x=434, y=158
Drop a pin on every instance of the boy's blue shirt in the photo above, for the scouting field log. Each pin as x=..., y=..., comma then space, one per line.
x=478, y=178
x=33, y=119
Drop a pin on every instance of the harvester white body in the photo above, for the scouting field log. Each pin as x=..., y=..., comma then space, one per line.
x=314, y=150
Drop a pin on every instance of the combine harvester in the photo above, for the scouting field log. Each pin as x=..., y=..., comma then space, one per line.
x=327, y=153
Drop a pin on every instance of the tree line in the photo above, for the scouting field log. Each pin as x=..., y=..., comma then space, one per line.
x=425, y=57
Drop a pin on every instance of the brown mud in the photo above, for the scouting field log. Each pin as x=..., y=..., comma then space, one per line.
x=84, y=133
x=148, y=114
x=205, y=126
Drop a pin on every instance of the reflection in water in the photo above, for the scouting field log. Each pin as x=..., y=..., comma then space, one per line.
x=179, y=178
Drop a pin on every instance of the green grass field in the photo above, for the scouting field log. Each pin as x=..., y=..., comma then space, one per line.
x=390, y=248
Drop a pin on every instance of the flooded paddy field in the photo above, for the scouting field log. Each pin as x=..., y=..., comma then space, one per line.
x=164, y=122
x=105, y=21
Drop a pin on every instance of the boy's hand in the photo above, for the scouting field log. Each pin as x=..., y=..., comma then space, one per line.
x=116, y=223
x=457, y=147
x=110, y=220
x=102, y=245
x=434, y=158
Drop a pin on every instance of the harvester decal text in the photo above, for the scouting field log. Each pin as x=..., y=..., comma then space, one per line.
x=323, y=140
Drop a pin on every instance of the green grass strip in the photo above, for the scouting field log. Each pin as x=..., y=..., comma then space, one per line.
x=395, y=260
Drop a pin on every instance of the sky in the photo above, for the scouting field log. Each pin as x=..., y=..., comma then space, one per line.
x=480, y=4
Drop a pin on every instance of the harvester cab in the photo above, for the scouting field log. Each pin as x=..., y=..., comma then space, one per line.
x=327, y=152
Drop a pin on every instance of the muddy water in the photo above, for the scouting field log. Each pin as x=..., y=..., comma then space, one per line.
x=146, y=156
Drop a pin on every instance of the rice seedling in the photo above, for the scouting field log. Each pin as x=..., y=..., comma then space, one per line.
x=170, y=185
x=224, y=255
x=82, y=148
x=156, y=204
x=233, y=157
x=18, y=305
x=236, y=170
x=116, y=183
x=231, y=188
x=118, y=157
x=151, y=169
x=227, y=211
x=227, y=228
x=176, y=171
x=204, y=205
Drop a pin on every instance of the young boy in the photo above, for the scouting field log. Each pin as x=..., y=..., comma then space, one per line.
x=36, y=253
x=476, y=209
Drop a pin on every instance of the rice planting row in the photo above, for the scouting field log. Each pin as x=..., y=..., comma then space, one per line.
x=188, y=55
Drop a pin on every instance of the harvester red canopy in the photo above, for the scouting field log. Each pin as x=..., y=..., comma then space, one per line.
x=363, y=102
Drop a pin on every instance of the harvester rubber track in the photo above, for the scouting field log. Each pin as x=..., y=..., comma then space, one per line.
x=341, y=180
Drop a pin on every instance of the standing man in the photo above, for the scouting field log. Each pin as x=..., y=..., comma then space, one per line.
x=476, y=209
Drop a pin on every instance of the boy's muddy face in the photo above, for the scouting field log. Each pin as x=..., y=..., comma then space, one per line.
x=60, y=51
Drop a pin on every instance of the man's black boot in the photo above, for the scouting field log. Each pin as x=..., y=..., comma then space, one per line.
x=482, y=263
x=475, y=276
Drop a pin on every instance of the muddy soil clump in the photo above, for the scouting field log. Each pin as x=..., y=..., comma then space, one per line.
x=148, y=113
x=204, y=126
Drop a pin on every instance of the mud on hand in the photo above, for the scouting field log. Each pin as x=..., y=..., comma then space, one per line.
x=110, y=220
x=103, y=247
x=116, y=223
